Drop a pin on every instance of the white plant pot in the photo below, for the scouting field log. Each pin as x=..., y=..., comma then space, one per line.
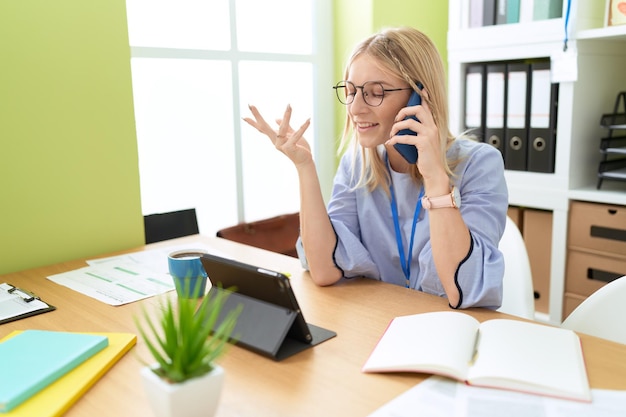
x=197, y=397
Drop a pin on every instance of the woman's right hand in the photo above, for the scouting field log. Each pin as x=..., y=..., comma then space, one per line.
x=285, y=139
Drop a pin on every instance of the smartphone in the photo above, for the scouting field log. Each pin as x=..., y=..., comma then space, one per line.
x=409, y=152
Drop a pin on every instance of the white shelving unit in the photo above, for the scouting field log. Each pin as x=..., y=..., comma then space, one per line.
x=601, y=58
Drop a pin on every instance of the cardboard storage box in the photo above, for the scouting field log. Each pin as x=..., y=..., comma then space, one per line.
x=537, y=226
x=570, y=302
x=597, y=227
x=515, y=213
x=588, y=272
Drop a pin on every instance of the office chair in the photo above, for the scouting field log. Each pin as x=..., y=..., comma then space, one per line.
x=163, y=226
x=277, y=234
x=601, y=313
x=518, y=297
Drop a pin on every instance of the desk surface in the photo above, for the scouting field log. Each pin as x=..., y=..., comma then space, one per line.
x=325, y=380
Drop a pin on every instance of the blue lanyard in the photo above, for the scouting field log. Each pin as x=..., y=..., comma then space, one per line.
x=569, y=5
x=405, y=260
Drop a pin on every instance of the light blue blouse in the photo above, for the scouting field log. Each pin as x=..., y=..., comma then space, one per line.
x=367, y=245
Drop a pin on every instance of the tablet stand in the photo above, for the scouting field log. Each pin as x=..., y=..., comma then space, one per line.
x=264, y=328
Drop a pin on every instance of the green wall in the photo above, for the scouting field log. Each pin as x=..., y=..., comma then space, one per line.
x=69, y=176
x=357, y=19
x=431, y=17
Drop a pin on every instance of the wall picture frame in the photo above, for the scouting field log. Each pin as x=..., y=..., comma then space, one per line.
x=615, y=12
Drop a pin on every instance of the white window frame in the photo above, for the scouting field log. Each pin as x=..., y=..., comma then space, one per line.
x=325, y=141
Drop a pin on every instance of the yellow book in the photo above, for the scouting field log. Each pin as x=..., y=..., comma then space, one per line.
x=59, y=396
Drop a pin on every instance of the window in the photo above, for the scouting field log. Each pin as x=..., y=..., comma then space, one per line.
x=196, y=65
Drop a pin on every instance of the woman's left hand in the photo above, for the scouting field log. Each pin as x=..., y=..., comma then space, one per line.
x=430, y=160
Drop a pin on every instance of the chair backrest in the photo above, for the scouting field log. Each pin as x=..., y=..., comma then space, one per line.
x=518, y=296
x=601, y=314
x=163, y=226
x=276, y=234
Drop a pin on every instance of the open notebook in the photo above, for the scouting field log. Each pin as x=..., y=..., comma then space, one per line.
x=498, y=353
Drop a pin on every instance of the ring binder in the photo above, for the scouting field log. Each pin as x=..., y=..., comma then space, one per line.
x=517, y=112
x=543, y=117
x=496, y=85
x=475, y=100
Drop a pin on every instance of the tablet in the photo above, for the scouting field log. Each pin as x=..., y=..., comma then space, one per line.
x=259, y=284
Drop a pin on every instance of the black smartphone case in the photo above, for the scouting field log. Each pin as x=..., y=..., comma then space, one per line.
x=409, y=152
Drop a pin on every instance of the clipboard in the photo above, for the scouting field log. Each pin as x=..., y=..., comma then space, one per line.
x=16, y=304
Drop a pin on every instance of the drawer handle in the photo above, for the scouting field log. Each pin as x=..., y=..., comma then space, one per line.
x=608, y=233
x=604, y=276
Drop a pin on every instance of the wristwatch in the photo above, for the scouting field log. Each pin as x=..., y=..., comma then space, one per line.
x=448, y=200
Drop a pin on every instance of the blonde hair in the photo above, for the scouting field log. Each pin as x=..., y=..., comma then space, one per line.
x=410, y=55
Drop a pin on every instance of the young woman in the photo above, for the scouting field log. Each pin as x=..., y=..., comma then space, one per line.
x=432, y=225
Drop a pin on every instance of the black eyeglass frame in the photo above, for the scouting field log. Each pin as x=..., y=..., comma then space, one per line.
x=349, y=99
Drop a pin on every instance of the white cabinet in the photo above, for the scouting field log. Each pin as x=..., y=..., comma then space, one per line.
x=601, y=62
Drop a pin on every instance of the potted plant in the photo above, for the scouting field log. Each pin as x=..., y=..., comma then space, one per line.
x=184, y=379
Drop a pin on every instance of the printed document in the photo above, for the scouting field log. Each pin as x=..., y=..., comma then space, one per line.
x=125, y=278
x=443, y=397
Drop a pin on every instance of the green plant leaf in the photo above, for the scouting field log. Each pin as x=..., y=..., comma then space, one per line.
x=181, y=340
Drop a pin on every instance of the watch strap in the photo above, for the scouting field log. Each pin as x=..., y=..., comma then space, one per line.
x=442, y=201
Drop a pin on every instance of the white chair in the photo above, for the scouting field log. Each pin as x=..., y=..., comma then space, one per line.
x=518, y=297
x=602, y=313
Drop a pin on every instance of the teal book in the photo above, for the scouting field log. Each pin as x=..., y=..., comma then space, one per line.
x=512, y=11
x=33, y=359
x=547, y=9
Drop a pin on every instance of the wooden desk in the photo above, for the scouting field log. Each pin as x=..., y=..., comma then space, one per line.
x=323, y=381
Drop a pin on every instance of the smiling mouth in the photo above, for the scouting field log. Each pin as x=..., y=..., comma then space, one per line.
x=365, y=126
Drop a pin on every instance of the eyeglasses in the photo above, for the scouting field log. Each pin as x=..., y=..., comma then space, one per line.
x=373, y=92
